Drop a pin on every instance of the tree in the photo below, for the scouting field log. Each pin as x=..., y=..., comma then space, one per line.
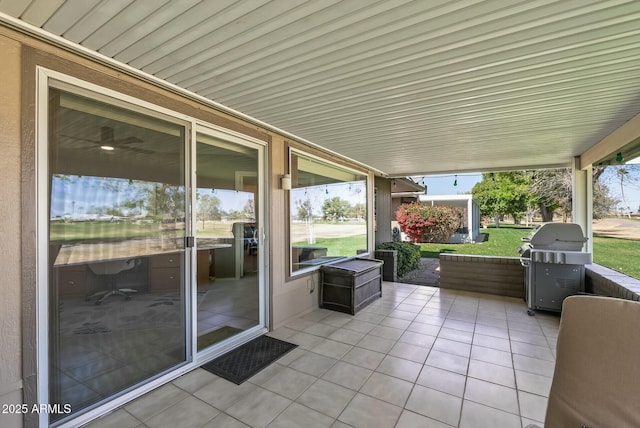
x=208, y=208
x=503, y=193
x=335, y=208
x=553, y=189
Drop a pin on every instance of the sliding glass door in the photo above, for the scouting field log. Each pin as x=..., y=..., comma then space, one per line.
x=227, y=231
x=150, y=245
x=116, y=248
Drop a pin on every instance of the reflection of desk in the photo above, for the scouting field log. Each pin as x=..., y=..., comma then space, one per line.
x=206, y=262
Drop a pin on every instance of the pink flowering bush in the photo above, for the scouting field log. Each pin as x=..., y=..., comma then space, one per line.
x=428, y=223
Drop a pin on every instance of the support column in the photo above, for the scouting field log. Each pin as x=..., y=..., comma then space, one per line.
x=582, y=200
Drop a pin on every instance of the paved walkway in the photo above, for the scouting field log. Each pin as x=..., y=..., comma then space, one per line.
x=427, y=274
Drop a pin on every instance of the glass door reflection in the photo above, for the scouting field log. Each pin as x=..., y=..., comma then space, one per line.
x=117, y=233
x=227, y=242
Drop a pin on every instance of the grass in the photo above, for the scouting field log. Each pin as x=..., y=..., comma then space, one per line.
x=503, y=241
x=103, y=230
x=344, y=246
x=618, y=254
x=615, y=253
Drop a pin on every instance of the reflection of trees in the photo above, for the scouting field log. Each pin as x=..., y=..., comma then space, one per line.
x=335, y=208
x=164, y=201
x=208, y=208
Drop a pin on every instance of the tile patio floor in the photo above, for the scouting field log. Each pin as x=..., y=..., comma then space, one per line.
x=418, y=357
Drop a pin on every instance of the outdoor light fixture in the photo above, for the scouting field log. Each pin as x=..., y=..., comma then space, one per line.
x=107, y=148
x=285, y=182
x=619, y=157
x=455, y=181
x=326, y=190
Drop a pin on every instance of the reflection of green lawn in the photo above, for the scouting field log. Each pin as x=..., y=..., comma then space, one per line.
x=346, y=246
x=116, y=230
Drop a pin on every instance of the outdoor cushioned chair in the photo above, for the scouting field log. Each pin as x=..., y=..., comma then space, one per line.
x=596, y=382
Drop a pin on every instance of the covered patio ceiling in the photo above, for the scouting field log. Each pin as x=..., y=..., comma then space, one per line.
x=406, y=87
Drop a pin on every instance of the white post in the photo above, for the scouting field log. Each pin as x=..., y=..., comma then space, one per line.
x=582, y=200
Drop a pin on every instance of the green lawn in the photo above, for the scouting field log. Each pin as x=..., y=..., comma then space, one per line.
x=106, y=230
x=498, y=242
x=622, y=255
x=346, y=246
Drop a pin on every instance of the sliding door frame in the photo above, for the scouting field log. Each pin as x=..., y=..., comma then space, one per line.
x=46, y=78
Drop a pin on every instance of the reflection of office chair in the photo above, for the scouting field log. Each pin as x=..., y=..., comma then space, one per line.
x=596, y=382
x=110, y=270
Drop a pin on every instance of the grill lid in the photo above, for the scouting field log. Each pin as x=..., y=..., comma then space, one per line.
x=557, y=236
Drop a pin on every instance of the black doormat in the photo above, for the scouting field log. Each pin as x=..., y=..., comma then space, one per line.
x=243, y=362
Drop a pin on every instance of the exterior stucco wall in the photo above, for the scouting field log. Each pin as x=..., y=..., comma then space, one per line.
x=10, y=285
x=289, y=296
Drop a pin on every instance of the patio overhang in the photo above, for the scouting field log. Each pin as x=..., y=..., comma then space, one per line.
x=406, y=88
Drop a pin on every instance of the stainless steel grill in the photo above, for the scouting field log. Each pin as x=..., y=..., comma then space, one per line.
x=554, y=262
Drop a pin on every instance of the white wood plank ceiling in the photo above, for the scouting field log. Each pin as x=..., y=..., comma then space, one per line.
x=407, y=87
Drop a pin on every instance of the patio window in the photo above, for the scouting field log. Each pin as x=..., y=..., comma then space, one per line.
x=328, y=212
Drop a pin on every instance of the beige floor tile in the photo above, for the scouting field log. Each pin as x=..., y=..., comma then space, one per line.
x=459, y=325
x=347, y=375
x=363, y=358
x=533, y=383
x=418, y=339
x=413, y=420
x=400, y=368
x=533, y=339
x=347, y=336
x=387, y=332
x=428, y=329
x=297, y=415
x=119, y=418
x=313, y=364
x=291, y=356
x=305, y=340
x=188, y=413
x=327, y=398
x=476, y=415
x=436, y=320
x=160, y=399
x=410, y=352
x=457, y=335
x=488, y=355
x=387, y=388
x=452, y=347
x=492, y=342
x=370, y=317
x=366, y=412
x=490, y=330
x=258, y=408
x=446, y=361
x=331, y=348
x=461, y=315
x=533, y=351
x=532, y=406
x=375, y=343
x=492, y=373
x=533, y=365
x=224, y=421
x=395, y=323
x=404, y=315
x=492, y=395
x=319, y=329
x=435, y=405
x=337, y=319
x=221, y=393
x=289, y=382
x=442, y=380
x=359, y=326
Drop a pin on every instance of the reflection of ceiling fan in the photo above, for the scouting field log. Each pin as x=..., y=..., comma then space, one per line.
x=107, y=141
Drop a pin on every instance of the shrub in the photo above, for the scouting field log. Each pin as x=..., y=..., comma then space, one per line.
x=408, y=255
x=428, y=223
